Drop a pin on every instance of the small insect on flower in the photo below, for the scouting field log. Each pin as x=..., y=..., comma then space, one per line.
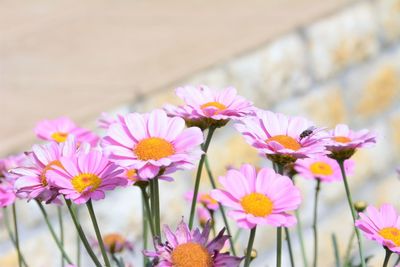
x=307, y=132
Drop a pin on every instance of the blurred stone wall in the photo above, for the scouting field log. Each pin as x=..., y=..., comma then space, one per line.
x=344, y=68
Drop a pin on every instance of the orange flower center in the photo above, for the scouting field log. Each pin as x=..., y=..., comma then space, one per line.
x=131, y=174
x=219, y=106
x=207, y=199
x=286, y=141
x=392, y=234
x=321, y=168
x=191, y=255
x=153, y=148
x=82, y=181
x=341, y=139
x=257, y=204
x=48, y=167
x=114, y=242
x=59, y=137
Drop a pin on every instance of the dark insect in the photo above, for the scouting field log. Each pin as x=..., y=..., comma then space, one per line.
x=307, y=132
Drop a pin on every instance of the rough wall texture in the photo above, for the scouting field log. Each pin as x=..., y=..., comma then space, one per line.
x=342, y=68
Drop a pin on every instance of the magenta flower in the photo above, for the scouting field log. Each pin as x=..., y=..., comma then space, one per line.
x=85, y=176
x=343, y=142
x=9, y=163
x=282, y=138
x=32, y=181
x=192, y=249
x=381, y=225
x=323, y=168
x=59, y=129
x=7, y=194
x=258, y=198
x=203, y=103
x=153, y=143
x=205, y=199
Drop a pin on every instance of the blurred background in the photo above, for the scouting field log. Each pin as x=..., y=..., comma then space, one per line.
x=331, y=61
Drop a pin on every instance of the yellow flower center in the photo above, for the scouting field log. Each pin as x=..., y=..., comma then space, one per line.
x=191, y=255
x=341, y=139
x=207, y=199
x=59, y=137
x=257, y=204
x=219, y=106
x=154, y=148
x=48, y=167
x=131, y=174
x=286, y=141
x=321, y=168
x=392, y=234
x=114, y=242
x=85, y=180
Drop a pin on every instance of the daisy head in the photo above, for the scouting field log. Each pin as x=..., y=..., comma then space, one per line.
x=323, y=168
x=85, y=176
x=153, y=143
x=116, y=243
x=205, y=106
x=9, y=163
x=185, y=248
x=7, y=194
x=343, y=142
x=381, y=225
x=204, y=199
x=258, y=198
x=32, y=182
x=281, y=138
x=59, y=129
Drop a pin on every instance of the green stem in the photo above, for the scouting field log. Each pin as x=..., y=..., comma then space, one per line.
x=157, y=224
x=145, y=219
x=336, y=250
x=115, y=259
x=315, y=226
x=53, y=233
x=198, y=175
x=289, y=243
x=82, y=234
x=279, y=247
x=348, y=249
x=60, y=223
x=250, y=247
x=78, y=240
x=353, y=212
x=299, y=229
x=89, y=205
x=145, y=199
x=10, y=234
x=221, y=208
x=388, y=253
x=14, y=213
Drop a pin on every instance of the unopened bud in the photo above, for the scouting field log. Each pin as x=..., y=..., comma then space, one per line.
x=253, y=254
x=360, y=206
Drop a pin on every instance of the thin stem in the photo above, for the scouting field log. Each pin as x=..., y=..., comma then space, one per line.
x=157, y=223
x=348, y=249
x=10, y=234
x=198, y=175
x=115, y=259
x=60, y=223
x=388, y=253
x=14, y=213
x=214, y=232
x=279, y=247
x=89, y=205
x=145, y=219
x=78, y=240
x=82, y=234
x=289, y=243
x=353, y=212
x=315, y=226
x=221, y=208
x=53, y=233
x=145, y=198
x=299, y=229
x=250, y=247
x=336, y=250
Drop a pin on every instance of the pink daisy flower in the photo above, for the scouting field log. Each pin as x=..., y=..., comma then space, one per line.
x=205, y=199
x=381, y=225
x=58, y=130
x=115, y=243
x=258, y=198
x=323, y=168
x=153, y=143
x=32, y=181
x=7, y=194
x=282, y=138
x=204, y=215
x=343, y=142
x=9, y=163
x=192, y=249
x=205, y=106
x=85, y=176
